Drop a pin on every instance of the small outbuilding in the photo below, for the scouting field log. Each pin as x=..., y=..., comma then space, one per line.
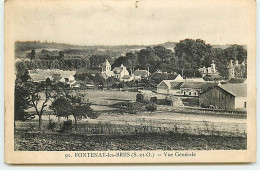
x=191, y=88
x=227, y=96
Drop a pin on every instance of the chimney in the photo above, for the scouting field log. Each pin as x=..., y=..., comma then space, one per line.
x=148, y=69
x=236, y=62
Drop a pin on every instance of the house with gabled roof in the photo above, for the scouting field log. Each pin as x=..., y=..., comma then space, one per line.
x=237, y=80
x=144, y=74
x=106, y=70
x=119, y=72
x=191, y=88
x=227, y=96
x=55, y=75
x=170, y=86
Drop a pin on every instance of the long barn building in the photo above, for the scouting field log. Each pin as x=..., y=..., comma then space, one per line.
x=227, y=96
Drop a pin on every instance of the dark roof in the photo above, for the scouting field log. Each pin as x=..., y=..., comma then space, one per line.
x=75, y=83
x=237, y=80
x=238, y=90
x=176, y=85
x=213, y=77
x=85, y=71
x=56, y=78
x=117, y=70
x=126, y=77
x=198, y=85
x=142, y=73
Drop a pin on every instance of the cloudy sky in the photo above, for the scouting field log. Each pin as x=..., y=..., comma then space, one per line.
x=115, y=22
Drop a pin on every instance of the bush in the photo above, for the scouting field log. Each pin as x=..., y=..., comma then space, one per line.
x=139, y=98
x=67, y=126
x=51, y=125
x=153, y=99
x=151, y=107
x=93, y=114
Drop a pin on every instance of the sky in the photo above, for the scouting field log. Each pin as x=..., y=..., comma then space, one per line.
x=128, y=22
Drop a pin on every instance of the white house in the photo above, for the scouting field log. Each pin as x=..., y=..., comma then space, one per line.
x=106, y=70
x=199, y=79
x=121, y=71
x=129, y=78
x=143, y=74
x=55, y=75
x=170, y=86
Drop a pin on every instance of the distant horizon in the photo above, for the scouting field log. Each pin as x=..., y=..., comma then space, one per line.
x=46, y=41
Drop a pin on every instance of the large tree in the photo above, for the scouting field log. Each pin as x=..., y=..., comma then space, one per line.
x=21, y=102
x=97, y=60
x=148, y=58
x=236, y=52
x=196, y=53
x=39, y=95
x=75, y=105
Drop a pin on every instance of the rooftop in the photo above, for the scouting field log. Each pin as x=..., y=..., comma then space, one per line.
x=238, y=90
x=198, y=85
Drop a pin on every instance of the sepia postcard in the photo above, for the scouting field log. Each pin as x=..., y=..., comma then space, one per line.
x=130, y=81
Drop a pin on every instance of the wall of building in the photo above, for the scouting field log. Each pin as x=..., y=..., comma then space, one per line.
x=162, y=88
x=240, y=102
x=190, y=91
x=218, y=98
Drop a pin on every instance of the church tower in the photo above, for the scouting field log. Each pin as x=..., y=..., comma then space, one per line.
x=106, y=66
x=213, y=67
x=231, y=70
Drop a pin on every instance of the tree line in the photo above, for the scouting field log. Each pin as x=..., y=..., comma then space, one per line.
x=185, y=58
x=188, y=56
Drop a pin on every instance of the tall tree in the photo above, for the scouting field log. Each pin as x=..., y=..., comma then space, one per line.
x=21, y=102
x=39, y=95
x=195, y=52
x=236, y=52
x=73, y=105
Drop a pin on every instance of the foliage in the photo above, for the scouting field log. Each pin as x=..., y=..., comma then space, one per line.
x=189, y=55
x=97, y=60
x=21, y=102
x=22, y=76
x=39, y=94
x=151, y=107
x=69, y=104
x=98, y=80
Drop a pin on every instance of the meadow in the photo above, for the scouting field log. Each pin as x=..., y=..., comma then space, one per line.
x=115, y=129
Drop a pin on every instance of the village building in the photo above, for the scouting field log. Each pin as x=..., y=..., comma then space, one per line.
x=144, y=74
x=236, y=70
x=191, y=88
x=129, y=78
x=75, y=84
x=106, y=70
x=237, y=80
x=227, y=96
x=55, y=75
x=170, y=86
x=199, y=79
x=119, y=72
x=209, y=71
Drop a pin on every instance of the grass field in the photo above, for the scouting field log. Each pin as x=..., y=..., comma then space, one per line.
x=117, y=130
x=80, y=142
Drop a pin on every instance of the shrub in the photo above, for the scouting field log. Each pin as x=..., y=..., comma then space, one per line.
x=153, y=99
x=67, y=126
x=151, y=107
x=139, y=98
